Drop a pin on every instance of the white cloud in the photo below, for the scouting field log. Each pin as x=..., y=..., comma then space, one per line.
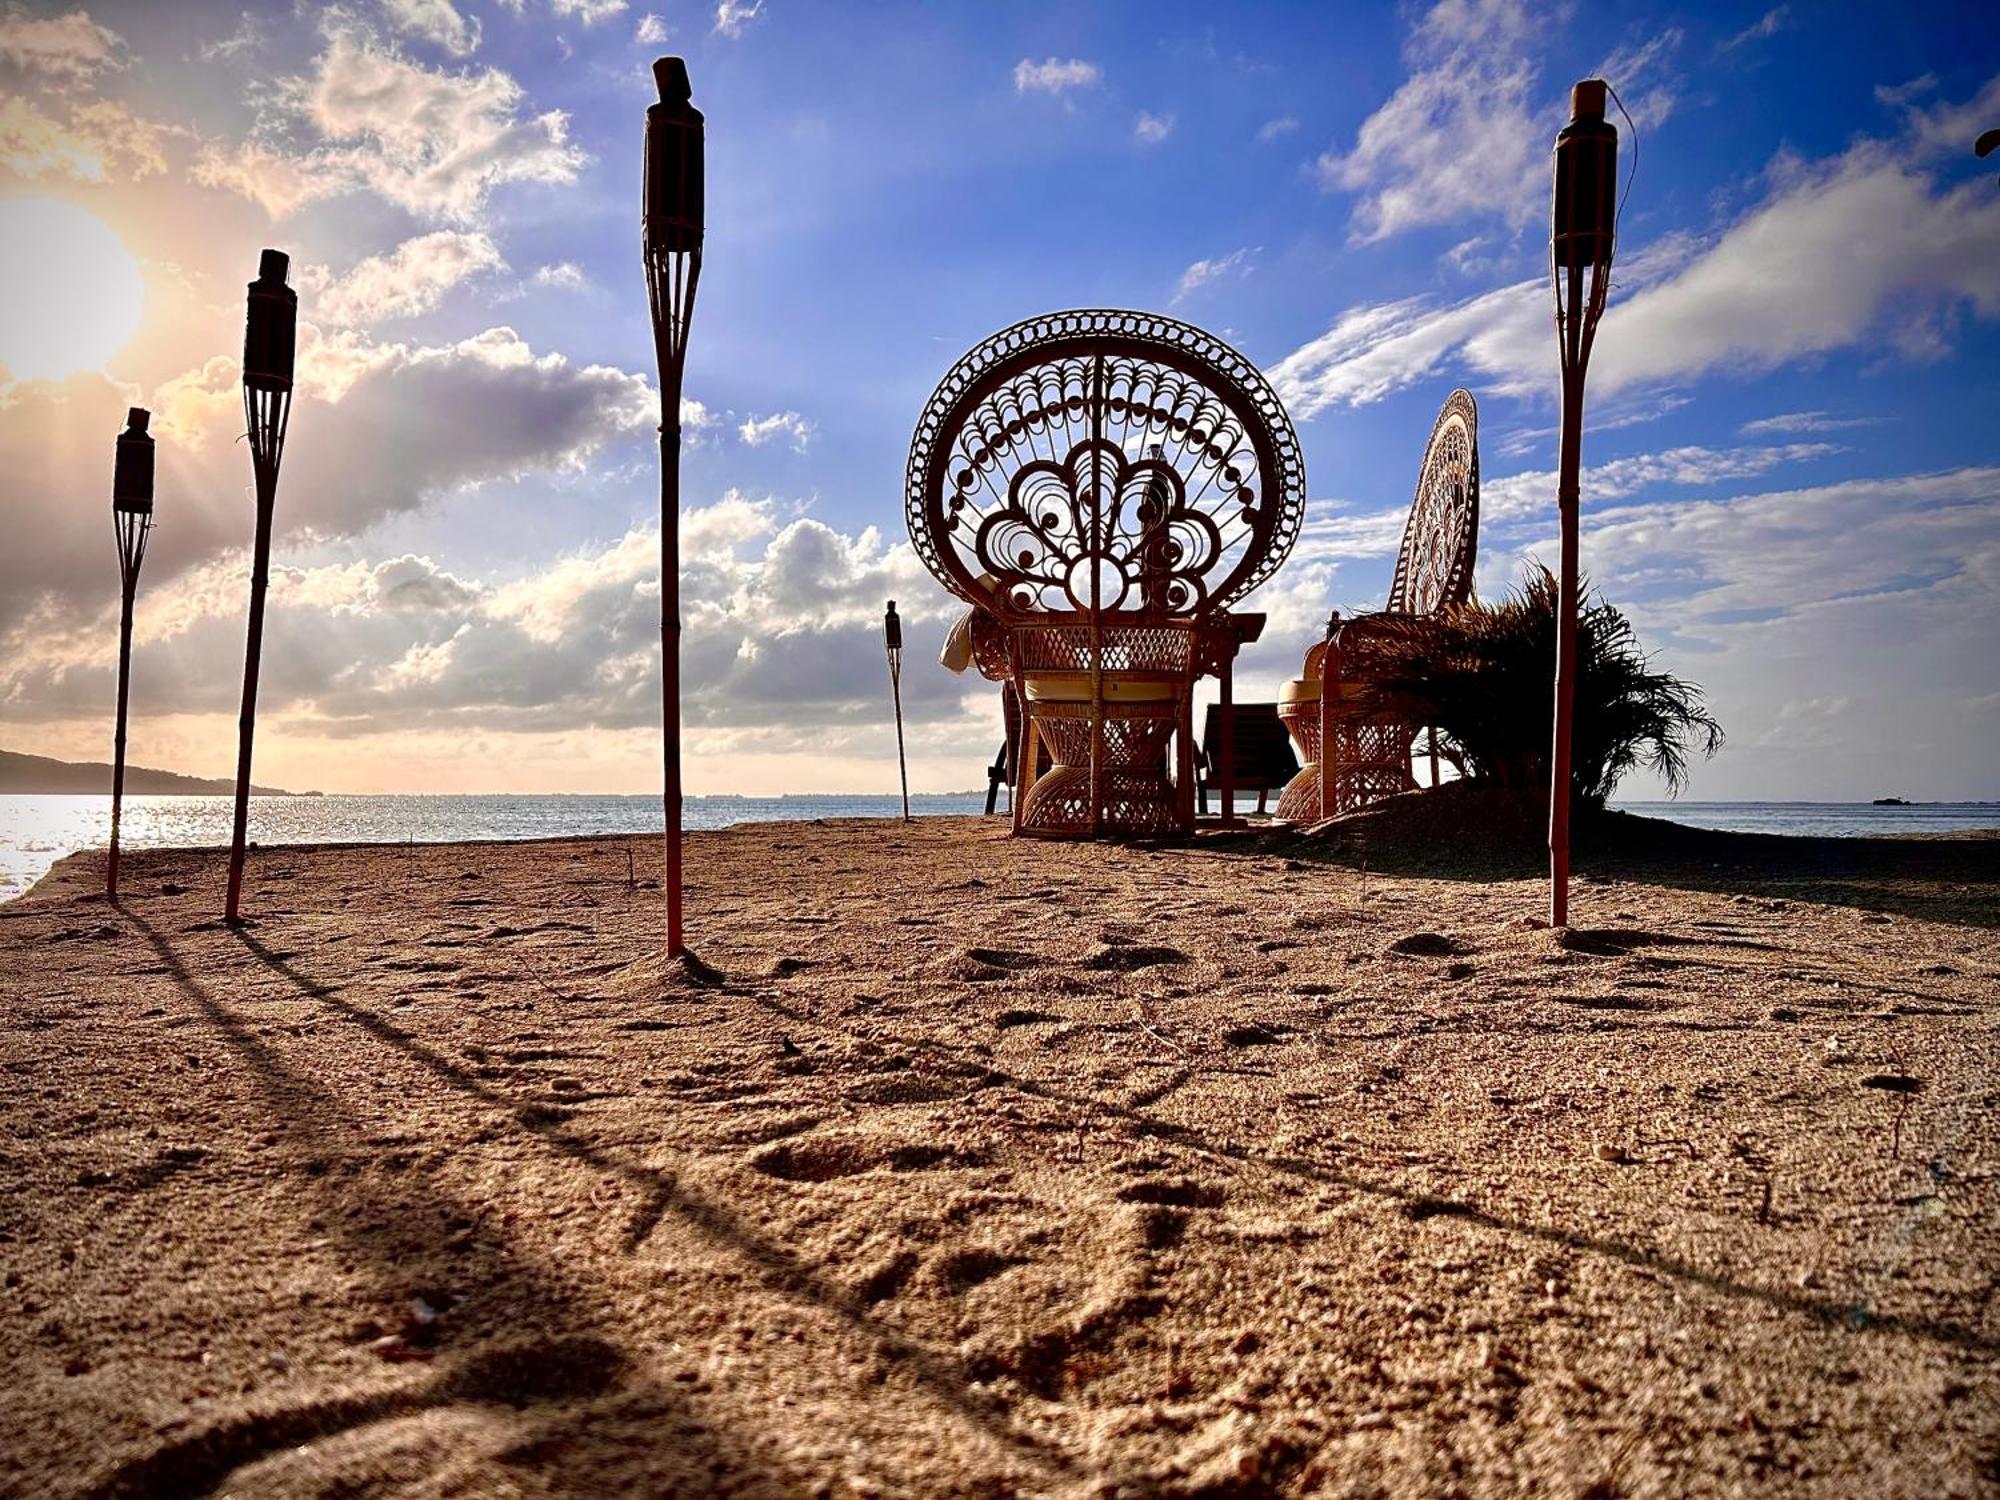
x=377, y=430
x=1634, y=73
x=1054, y=75
x=589, y=12
x=93, y=142
x=652, y=31
x=244, y=40
x=435, y=21
x=1805, y=421
x=69, y=48
x=564, y=275
x=1530, y=494
x=731, y=16
x=757, y=431
x=1270, y=130
x=1150, y=129
x=435, y=143
x=1458, y=137
x=1202, y=272
x=1848, y=241
x=411, y=279
x=1773, y=21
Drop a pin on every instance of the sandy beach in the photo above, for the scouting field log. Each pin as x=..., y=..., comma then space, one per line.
x=971, y=1165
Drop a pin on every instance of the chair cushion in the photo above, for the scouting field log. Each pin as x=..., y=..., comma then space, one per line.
x=1299, y=690
x=1074, y=687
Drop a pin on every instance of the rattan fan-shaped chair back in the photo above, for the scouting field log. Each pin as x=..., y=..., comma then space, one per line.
x=1101, y=486
x=1353, y=755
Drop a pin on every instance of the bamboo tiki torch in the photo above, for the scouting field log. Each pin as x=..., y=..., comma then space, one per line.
x=673, y=233
x=892, y=633
x=270, y=334
x=131, y=521
x=1582, y=231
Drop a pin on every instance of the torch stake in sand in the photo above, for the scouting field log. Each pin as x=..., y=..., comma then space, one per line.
x=892, y=634
x=270, y=344
x=673, y=233
x=132, y=521
x=1582, y=232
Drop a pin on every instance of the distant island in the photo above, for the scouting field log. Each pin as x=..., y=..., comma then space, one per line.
x=38, y=775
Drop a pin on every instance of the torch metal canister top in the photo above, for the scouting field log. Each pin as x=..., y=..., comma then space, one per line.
x=673, y=168
x=1586, y=189
x=270, y=326
x=892, y=628
x=132, y=473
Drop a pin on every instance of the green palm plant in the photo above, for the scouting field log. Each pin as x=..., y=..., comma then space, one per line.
x=1483, y=673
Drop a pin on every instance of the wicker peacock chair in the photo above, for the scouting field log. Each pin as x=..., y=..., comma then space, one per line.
x=1100, y=487
x=1373, y=745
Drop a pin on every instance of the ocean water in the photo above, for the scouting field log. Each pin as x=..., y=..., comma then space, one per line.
x=35, y=832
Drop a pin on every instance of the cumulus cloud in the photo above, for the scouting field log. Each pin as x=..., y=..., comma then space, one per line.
x=411, y=279
x=1054, y=75
x=433, y=142
x=1202, y=272
x=756, y=431
x=438, y=22
x=69, y=48
x=652, y=31
x=1271, y=130
x=377, y=429
x=782, y=638
x=565, y=275
x=1150, y=129
x=1868, y=246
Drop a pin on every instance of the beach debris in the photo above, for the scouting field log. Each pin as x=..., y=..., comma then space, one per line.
x=1614, y=1153
x=277, y=1360
x=1835, y=1054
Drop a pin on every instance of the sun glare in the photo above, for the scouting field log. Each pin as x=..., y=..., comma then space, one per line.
x=70, y=292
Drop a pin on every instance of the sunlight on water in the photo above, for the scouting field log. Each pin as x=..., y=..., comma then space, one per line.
x=35, y=832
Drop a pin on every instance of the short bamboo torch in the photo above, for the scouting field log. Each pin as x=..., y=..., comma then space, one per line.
x=270, y=346
x=673, y=229
x=1582, y=232
x=132, y=523
x=892, y=634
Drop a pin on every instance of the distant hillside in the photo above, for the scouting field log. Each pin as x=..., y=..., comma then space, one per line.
x=38, y=775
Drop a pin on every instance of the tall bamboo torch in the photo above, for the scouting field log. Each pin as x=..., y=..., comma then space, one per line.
x=132, y=521
x=673, y=229
x=270, y=343
x=1583, y=227
x=892, y=635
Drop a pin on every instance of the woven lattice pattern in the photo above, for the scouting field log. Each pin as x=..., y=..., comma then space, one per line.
x=1102, y=462
x=1139, y=797
x=1441, y=537
x=1372, y=749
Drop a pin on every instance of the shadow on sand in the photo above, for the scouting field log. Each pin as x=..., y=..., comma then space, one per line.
x=1490, y=836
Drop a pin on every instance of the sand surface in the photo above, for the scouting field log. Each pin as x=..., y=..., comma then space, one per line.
x=992, y=1167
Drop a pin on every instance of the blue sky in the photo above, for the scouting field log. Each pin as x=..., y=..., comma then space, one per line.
x=1793, y=483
